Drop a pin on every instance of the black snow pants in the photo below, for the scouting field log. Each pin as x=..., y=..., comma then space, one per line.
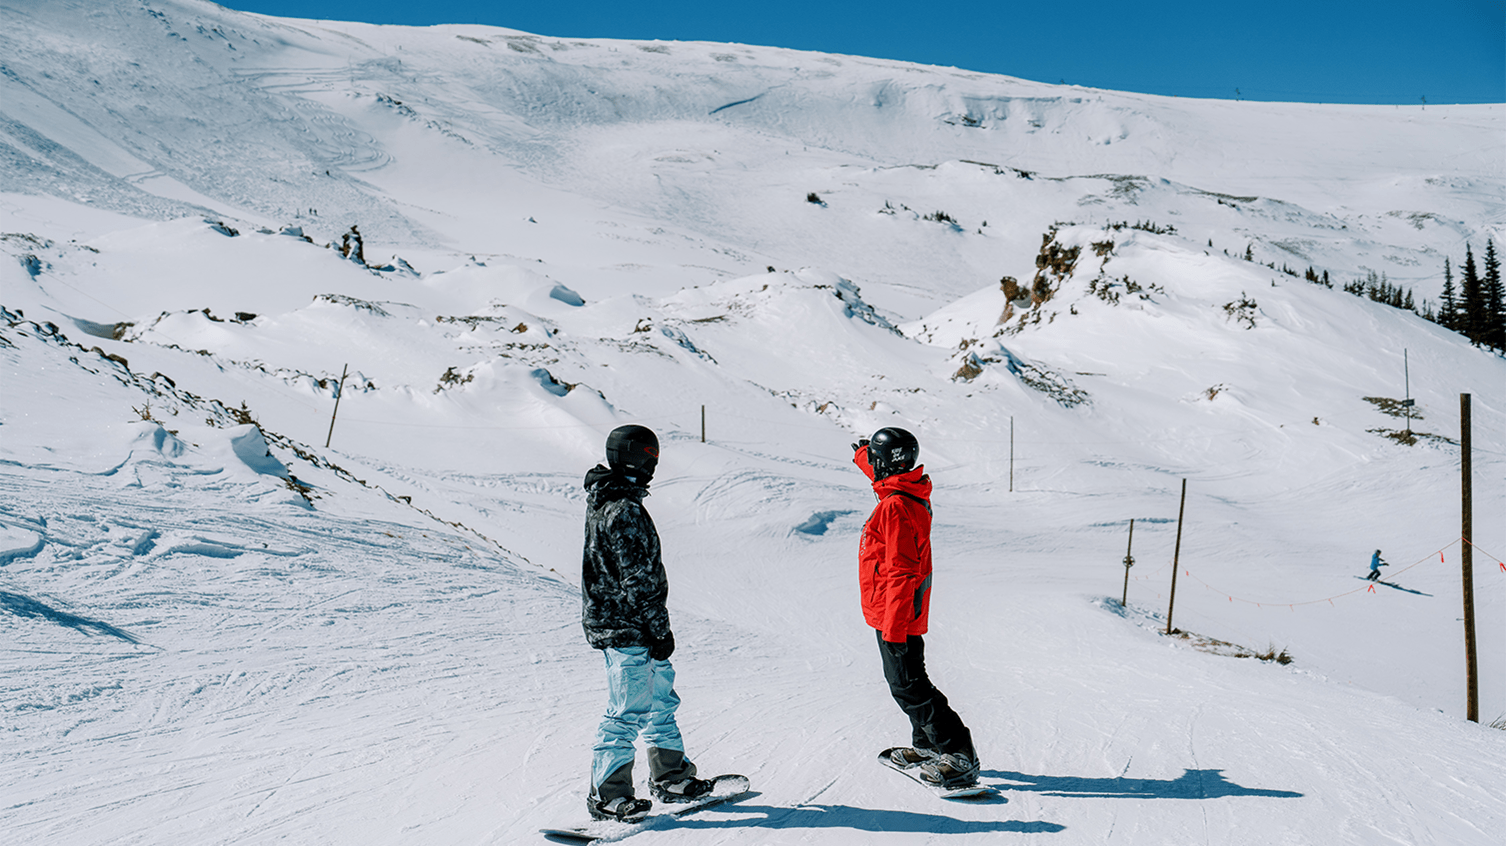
x=935, y=726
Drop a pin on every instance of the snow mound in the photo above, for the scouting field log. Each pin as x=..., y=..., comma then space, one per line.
x=474, y=288
x=152, y=441
x=250, y=448
x=18, y=542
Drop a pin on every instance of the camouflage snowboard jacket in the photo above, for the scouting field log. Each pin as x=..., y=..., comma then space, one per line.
x=623, y=583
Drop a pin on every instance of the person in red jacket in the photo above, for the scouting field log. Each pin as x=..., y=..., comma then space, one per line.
x=894, y=574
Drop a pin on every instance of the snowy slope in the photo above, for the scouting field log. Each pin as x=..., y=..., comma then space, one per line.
x=226, y=632
x=454, y=137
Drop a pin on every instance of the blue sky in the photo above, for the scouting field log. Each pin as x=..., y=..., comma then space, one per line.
x=1321, y=51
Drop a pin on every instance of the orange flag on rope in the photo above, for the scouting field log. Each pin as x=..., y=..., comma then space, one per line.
x=1370, y=589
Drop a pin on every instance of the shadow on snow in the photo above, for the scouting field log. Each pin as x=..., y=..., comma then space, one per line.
x=25, y=606
x=865, y=819
x=1192, y=784
x=1392, y=585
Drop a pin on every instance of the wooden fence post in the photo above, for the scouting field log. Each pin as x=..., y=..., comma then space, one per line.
x=1176, y=558
x=1471, y=668
x=339, y=391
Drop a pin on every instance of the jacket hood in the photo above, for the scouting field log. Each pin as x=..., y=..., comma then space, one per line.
x=604, y=484
x=913, y=482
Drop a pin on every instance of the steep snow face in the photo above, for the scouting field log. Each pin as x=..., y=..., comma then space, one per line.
x=483, y=140
x=243, y=617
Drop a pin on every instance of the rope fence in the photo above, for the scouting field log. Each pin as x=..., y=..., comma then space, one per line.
x=1329, y=599
x=1488, y=555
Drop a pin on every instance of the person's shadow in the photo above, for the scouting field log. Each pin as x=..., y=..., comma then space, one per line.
x=1391, y=585
x=1191, y=784
x=25, y=606
x=864, y=819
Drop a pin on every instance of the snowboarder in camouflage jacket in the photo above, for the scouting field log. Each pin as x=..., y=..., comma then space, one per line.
x=623, y=582
x=623, y=591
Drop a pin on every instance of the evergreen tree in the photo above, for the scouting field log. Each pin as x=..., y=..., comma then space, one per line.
x=1473, y=319
x=1495, y=318
x=1448, y=307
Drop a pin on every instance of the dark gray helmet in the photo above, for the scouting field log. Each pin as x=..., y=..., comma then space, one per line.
x=633, y=451
x=892, y=450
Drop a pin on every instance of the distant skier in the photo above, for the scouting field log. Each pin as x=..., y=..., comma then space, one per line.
x=1375, y=564
x=623, y=591
x=894, y=574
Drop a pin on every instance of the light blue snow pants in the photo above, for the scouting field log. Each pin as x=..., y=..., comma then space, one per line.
x=641, y=700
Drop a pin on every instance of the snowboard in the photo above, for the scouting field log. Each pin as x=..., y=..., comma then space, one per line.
x=972, y=791
x=725, y=788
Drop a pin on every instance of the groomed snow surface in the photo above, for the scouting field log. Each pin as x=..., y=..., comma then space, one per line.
x=218, y=630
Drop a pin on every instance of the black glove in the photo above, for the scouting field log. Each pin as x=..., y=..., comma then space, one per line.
x=862, y=444
x=660, y=650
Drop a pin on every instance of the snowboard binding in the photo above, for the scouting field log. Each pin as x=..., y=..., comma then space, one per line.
x=621, y=809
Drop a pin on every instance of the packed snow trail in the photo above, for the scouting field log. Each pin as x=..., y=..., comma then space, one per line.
x=288, y=676
x=197, y=655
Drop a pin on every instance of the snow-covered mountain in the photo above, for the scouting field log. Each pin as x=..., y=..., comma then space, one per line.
x=224, y=631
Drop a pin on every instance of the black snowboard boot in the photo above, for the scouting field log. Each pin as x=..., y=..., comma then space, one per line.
x=684, y=790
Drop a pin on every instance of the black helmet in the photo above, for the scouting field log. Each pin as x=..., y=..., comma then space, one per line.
x=892, y=451
x=633, y=451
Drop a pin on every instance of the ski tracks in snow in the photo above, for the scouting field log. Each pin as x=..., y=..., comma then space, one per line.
x=187, y=669
x=1122, y=735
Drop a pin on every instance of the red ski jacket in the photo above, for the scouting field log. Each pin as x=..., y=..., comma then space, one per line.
x=894, y=555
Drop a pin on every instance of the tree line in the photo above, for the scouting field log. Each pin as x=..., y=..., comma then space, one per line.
x=1477, y=309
